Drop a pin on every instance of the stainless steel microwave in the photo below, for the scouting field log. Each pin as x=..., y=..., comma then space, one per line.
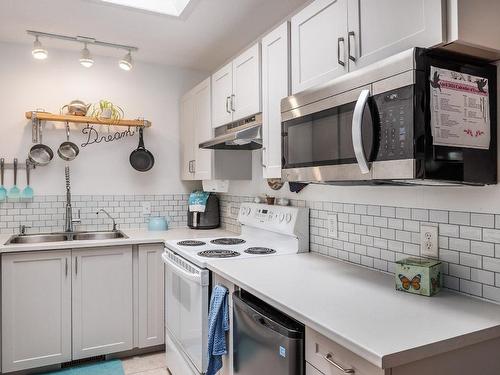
x=373, y=126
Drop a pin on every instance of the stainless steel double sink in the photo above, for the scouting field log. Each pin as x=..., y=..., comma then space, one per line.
x=61, y=237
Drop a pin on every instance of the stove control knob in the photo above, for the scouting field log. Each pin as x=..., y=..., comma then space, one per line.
x=248, y=211
x=288, y=218
x=282, y=217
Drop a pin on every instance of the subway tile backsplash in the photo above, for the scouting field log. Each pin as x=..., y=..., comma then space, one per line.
x=46, y=213
x=377, y=236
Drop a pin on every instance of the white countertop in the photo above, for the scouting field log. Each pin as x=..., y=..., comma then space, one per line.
x=135, y=236
x=360, y=309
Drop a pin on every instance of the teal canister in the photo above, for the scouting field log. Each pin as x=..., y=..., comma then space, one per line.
x=157, y=224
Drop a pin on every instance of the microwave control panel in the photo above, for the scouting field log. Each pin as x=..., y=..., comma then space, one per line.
x=395, y=111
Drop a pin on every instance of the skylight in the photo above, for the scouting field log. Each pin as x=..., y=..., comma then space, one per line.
x=168, y=7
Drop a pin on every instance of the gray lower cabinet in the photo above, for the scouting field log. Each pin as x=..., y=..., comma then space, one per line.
x=311, y=370
x=64, y=305
x=102, y=301
x=36, y=309
x=151, y=322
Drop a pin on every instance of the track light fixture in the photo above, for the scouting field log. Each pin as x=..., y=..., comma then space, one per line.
x=38, y=51
x=126, y=62
x=86, y=58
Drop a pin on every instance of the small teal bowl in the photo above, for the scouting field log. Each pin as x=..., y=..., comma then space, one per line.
x=157, y=224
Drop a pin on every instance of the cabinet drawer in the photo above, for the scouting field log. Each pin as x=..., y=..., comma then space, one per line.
x=322, y=353
x=311, y=370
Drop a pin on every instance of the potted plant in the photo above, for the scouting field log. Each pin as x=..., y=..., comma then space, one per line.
x=107, y=110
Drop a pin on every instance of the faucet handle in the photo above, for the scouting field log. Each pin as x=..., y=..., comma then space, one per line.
x=79, y=219
x=22, y=229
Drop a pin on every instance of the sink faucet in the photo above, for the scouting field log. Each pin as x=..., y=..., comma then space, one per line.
x=69, y=221
x=108, y=215
x=22, y=229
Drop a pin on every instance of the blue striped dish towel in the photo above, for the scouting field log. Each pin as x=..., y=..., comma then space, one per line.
x=218, y=325
x=198, y=201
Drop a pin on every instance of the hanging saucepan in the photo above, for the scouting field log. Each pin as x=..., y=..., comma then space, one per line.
x=40, y=154
x=141, y=159
x=68, y=151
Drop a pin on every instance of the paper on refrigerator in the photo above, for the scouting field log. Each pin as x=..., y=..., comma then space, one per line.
x=459, y=109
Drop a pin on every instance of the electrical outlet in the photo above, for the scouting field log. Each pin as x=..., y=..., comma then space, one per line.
x=233, y=211
x=146, y=208
x=333, y=226
x=429, y=241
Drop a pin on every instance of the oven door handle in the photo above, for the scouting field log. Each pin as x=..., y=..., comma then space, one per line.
x=181, y=271
x=357, y=131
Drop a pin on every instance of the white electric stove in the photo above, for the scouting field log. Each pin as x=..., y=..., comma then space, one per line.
x=265, y=231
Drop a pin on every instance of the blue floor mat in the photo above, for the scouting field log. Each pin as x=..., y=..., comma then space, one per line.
x=113, y=367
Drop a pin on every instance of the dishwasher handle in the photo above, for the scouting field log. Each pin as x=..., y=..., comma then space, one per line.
x=270, y=318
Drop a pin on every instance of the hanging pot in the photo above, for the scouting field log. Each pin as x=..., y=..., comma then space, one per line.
x=141, y=159
x=68, y=151
x=40, y=154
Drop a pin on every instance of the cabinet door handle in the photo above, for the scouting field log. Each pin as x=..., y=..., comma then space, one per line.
x=194, y=166
x=350, y=36
x=189, y=167
x=227, y=104
x=232, y=102
x=66, y=267
x=339, y=60
x=264, y=157
x=329, y=358
x=76, y=266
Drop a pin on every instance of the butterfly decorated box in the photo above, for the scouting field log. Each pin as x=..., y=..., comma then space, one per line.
x=418, y=276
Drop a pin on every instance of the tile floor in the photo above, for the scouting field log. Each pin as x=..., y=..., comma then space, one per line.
x=147, y=364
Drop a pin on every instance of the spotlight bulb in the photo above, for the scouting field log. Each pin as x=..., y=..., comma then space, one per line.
x=86, y=58
x=126, y=62
x=38, y=51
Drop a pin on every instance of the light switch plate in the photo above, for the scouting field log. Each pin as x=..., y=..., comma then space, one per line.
x=429, y=247
x=146, y=208
x=332, y=224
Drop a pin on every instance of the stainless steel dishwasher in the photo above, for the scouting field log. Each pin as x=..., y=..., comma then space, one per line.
x=266, y=341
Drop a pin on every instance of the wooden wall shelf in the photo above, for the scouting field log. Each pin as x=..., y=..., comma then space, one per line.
x=45, y=116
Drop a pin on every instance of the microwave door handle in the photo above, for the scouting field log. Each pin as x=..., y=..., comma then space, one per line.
x=357, y=130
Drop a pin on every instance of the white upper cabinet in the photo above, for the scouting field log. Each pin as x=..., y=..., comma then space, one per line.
x=275, y=86
x=222, y=91
x=332, y=37
x=102, y=301
x=319, y=34
x=36, y=309
x=473, y=28
x=245, y=100
x=203, y=130
x=382, y=28
x=236, y=88
x=196, y=127
x=187, y=137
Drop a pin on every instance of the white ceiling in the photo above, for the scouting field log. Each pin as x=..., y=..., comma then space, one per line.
x=210, y=31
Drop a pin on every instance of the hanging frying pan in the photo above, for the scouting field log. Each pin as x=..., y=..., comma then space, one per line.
x=141, y=159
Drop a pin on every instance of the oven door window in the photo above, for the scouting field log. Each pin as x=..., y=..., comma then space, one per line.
x=325, y=138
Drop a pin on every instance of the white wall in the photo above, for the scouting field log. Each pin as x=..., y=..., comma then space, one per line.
x=149, y=91
x=478, y=199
